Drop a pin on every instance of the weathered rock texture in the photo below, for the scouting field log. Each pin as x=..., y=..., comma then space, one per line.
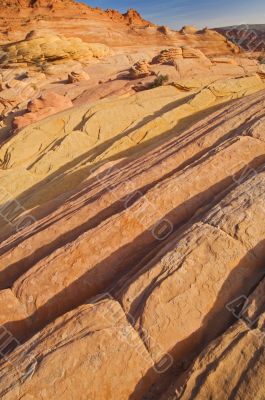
x=75, y=77
x=131, y=220
x=85, y=343
x=48, y=103
x=169, y=56
x=85, y=137
x=130, y=272
x=232, y=366
x=40, y=47
x=141, y=69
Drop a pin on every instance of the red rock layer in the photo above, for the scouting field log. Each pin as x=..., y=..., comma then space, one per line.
x=95, y=25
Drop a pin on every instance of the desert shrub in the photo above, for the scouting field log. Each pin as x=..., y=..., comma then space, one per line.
x=160, y=80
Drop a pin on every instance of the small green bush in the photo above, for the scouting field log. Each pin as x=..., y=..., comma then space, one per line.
x=160, y=80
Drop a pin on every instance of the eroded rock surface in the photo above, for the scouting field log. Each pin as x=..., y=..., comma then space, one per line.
x=74, y=19
x=85, y=343
x=141, y=69
x=74, y=77
x=232, y=365
x=48, y=103
x=152, y=234
x=131, y=208
x=40, y=47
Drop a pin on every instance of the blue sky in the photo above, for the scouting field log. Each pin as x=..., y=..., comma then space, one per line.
x=176, y=13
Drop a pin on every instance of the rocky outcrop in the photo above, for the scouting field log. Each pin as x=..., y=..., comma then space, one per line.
x=17, y=88
x=248, y=37
x=75, y=76
x=134, y=18
x=40, y=47
x=141, y=69
x=188, y=30
x=169, y=56
x=110, y=27
x=189, y=52
x=224, y=60
x=48, y=103
x=131, y=17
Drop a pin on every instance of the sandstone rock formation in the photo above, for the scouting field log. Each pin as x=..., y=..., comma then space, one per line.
x=223, y=60
x=247, y=36
x=167, y=253
x=141, y=69
x=74, y=19
x=189, y=52
x=41, y=47
x=82, y=132
x=132, y=241
x=188, y=29
x=85, y=342
x=169, y=56
x=74, y=76
x=48, y=103
x=231, y=365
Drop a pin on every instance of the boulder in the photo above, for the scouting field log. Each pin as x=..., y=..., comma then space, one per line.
x=74, y=77
x=47, y=104
x=141, y=69
x=232, y=366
